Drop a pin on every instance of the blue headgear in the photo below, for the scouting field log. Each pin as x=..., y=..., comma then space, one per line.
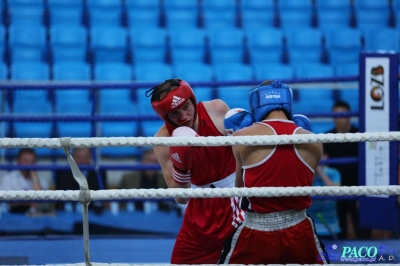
x=265, y=99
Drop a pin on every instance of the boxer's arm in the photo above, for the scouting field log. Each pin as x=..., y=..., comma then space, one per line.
x=163, y=156
x=237, y=150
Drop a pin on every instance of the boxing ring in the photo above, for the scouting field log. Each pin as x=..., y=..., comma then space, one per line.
x=85, y=195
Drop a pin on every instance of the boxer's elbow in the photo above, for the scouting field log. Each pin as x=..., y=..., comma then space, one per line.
x=182, y=201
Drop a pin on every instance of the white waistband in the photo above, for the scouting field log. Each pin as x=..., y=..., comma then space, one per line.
x=274, y=221
x=228, y=181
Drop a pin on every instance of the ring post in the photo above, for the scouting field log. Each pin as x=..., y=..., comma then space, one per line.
x=378, y=161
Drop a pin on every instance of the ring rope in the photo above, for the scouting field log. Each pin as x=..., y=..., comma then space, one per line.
x=111, y=194
x=201, y=141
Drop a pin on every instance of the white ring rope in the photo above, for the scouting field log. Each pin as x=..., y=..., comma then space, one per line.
x=200, y=193
x=200, y=141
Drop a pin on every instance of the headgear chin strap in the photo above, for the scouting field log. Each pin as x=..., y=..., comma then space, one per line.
x=173, y=100
x=274, y=96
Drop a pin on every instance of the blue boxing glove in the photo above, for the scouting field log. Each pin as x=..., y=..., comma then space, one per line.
x=237, y=118
x=302, y=121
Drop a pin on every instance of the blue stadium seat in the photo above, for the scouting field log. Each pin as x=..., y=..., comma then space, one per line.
x=65, y=12
x=109, y=44
x=374, y=39
x=148, y=45
x=311, y=98
x=68, y=43
x=217, y=14
x=350, y=95
x=3, y=42
x=181, y=13
x=75, y=129
x=321, y=126
x=143, y=13
x=196, y=72
x=26, y=12
x=294, y=13
x=150, y=72
x=3, y=71
x=116, y=101
x=265, y=45
x=226, y=46
x=344, y=45
x=72, y=71
x=27, y=42
x=304, y=45
x=114, y=72
x=119, y=129
x=333, y=19
x=234, y=96
x=273, y=71
x=187, y=45
x=150, y=128
x=104, y=12
x=370, y=13
x=333, y=13
x=30, y=71
x=257, y=14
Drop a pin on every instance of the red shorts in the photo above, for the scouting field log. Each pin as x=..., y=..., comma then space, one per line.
x=262, y=242
x=206, y=225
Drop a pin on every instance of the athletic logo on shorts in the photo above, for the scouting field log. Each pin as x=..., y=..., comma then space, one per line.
x=175, y=156
x=176, y=101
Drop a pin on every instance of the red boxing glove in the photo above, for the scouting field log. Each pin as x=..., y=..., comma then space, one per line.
x=181, y=156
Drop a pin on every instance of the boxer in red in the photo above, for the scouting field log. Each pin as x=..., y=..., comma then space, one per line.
x=207, y=222
x=276, y=230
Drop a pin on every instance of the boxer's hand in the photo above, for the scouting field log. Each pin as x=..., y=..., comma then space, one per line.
x=181, y=156
x=237, y=118
x=302, y=121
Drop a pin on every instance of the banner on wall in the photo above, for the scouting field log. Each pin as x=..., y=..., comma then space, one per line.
x=378, y=161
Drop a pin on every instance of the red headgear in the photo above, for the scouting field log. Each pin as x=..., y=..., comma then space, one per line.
x=174, y=99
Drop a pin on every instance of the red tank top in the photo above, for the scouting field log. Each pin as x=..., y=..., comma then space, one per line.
x=210, y=164
x=282, y=168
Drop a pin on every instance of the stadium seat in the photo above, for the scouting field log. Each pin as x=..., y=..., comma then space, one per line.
x=265, y=45
x=68, y=43
x=343, y=45
x=187, y=45
x=3, y=42
x=370, y=13
x=321, y=126
x=116, y=101
x=257, y=14
x=350, y=95
x=72, y=128
x=109, y=44
x=27, y=13
x=217, y=14
x=72, y=71
x=181, y=13
x=65, y=12
x=104, y=12
x=114, y=72
x=304, y=45
x=313, y=98
x=196, y=72
x=294, y=13
x=29, y=71
x=3, y=71
x=143, y=13
x=150, y=72
x=333, y=13
x=226, y=46
x=27, y=43
x=272, y=71
x=234, y=96
x=148, y=45
x=382, y=39
x=333, y=18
